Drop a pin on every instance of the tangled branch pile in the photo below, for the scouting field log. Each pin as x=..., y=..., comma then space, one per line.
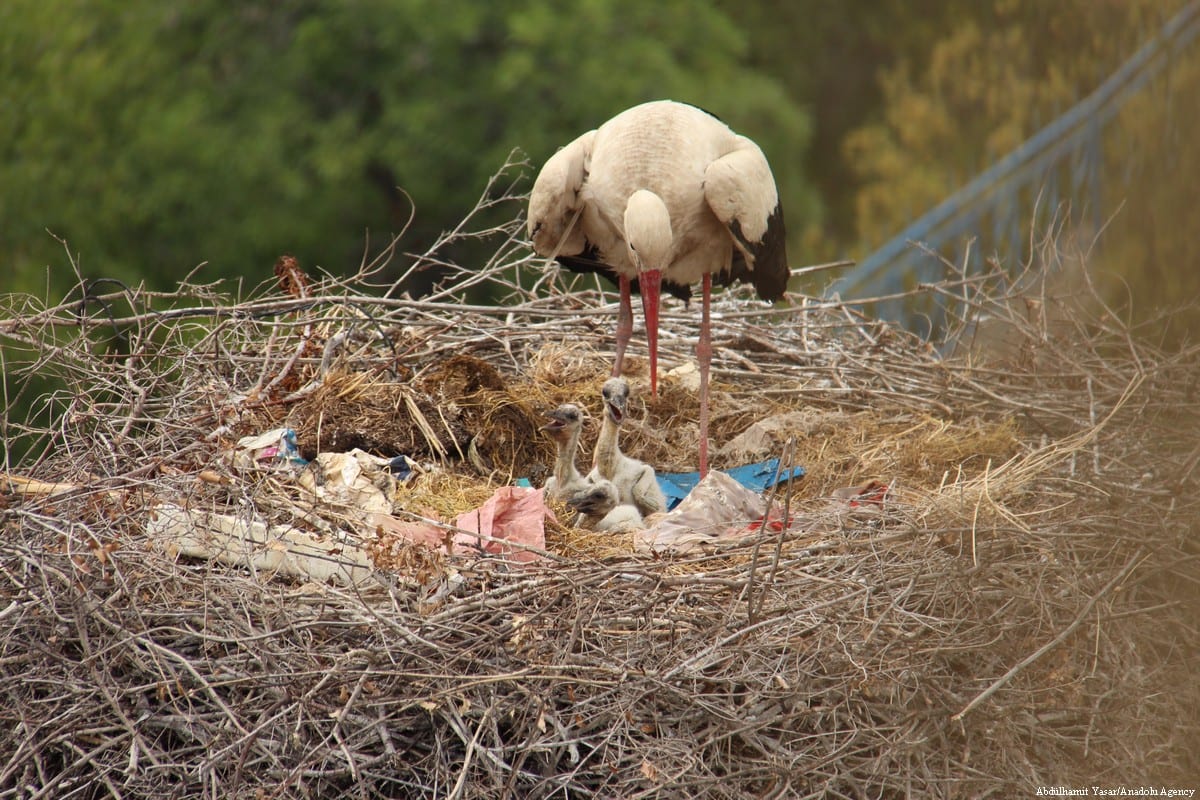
x=1020, y=612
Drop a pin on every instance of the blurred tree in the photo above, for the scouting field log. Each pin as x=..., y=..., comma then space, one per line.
x=1150, y=248
x=998, y=76
x=829, y=57
x=153, y=136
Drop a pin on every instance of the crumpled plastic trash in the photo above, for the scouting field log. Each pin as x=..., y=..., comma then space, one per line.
x=403, y=467
x=866, y=500
x=512, y=515
x=687, y=375
x=253, y=543
x=767, y=436
x=512, y=524
x=357, y=480
x=864, y=503
x=757, y=477
x=718, y=509
x=871, y=492
x=277, y=445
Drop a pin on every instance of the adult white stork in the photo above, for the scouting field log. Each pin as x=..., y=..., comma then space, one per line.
x=663, y=195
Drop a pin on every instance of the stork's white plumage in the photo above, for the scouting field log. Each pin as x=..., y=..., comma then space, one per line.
x=636, y=481
x=663, y=195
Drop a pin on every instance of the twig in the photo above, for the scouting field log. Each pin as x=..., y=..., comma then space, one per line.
x=1050, y=645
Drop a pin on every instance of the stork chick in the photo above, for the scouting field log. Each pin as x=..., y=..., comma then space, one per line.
x=564, y=427
x=635, y=480
x=600, y=507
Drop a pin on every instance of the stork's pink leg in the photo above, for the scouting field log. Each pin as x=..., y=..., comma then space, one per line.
x=624, y=324
x=704, y=356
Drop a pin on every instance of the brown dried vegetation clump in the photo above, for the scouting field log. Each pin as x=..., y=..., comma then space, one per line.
x=1019, y=613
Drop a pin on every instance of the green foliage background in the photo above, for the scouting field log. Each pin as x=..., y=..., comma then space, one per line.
x=154, y=137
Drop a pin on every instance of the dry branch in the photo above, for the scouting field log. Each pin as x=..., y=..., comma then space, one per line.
x=950, y=641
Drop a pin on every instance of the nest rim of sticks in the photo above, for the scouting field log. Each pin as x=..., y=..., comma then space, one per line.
x=999, y=627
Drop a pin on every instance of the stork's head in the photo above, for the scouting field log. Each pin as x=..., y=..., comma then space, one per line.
x=650, y=241
x=648, y=231
x=616, y=399
x=565, y=422
x=596, y=500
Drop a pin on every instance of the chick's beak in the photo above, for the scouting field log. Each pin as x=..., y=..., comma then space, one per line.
x=556, y=423
x=616, y=408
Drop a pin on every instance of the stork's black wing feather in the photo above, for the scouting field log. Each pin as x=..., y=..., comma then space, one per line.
x=589, y=261
x=770, y=274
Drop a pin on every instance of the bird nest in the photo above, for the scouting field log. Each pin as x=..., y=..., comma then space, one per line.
x=1016, y=609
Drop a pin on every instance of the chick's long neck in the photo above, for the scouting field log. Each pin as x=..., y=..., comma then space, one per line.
x=606, y=454
x=564, y=469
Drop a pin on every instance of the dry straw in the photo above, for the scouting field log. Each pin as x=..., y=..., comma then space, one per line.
x=1019, y=613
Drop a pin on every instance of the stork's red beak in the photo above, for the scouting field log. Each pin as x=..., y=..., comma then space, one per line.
x=650, y=283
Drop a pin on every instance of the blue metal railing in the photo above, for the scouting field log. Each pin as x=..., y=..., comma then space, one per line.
x=1071, y=144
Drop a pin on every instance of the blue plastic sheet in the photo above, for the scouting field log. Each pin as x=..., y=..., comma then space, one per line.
x=757, y=477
